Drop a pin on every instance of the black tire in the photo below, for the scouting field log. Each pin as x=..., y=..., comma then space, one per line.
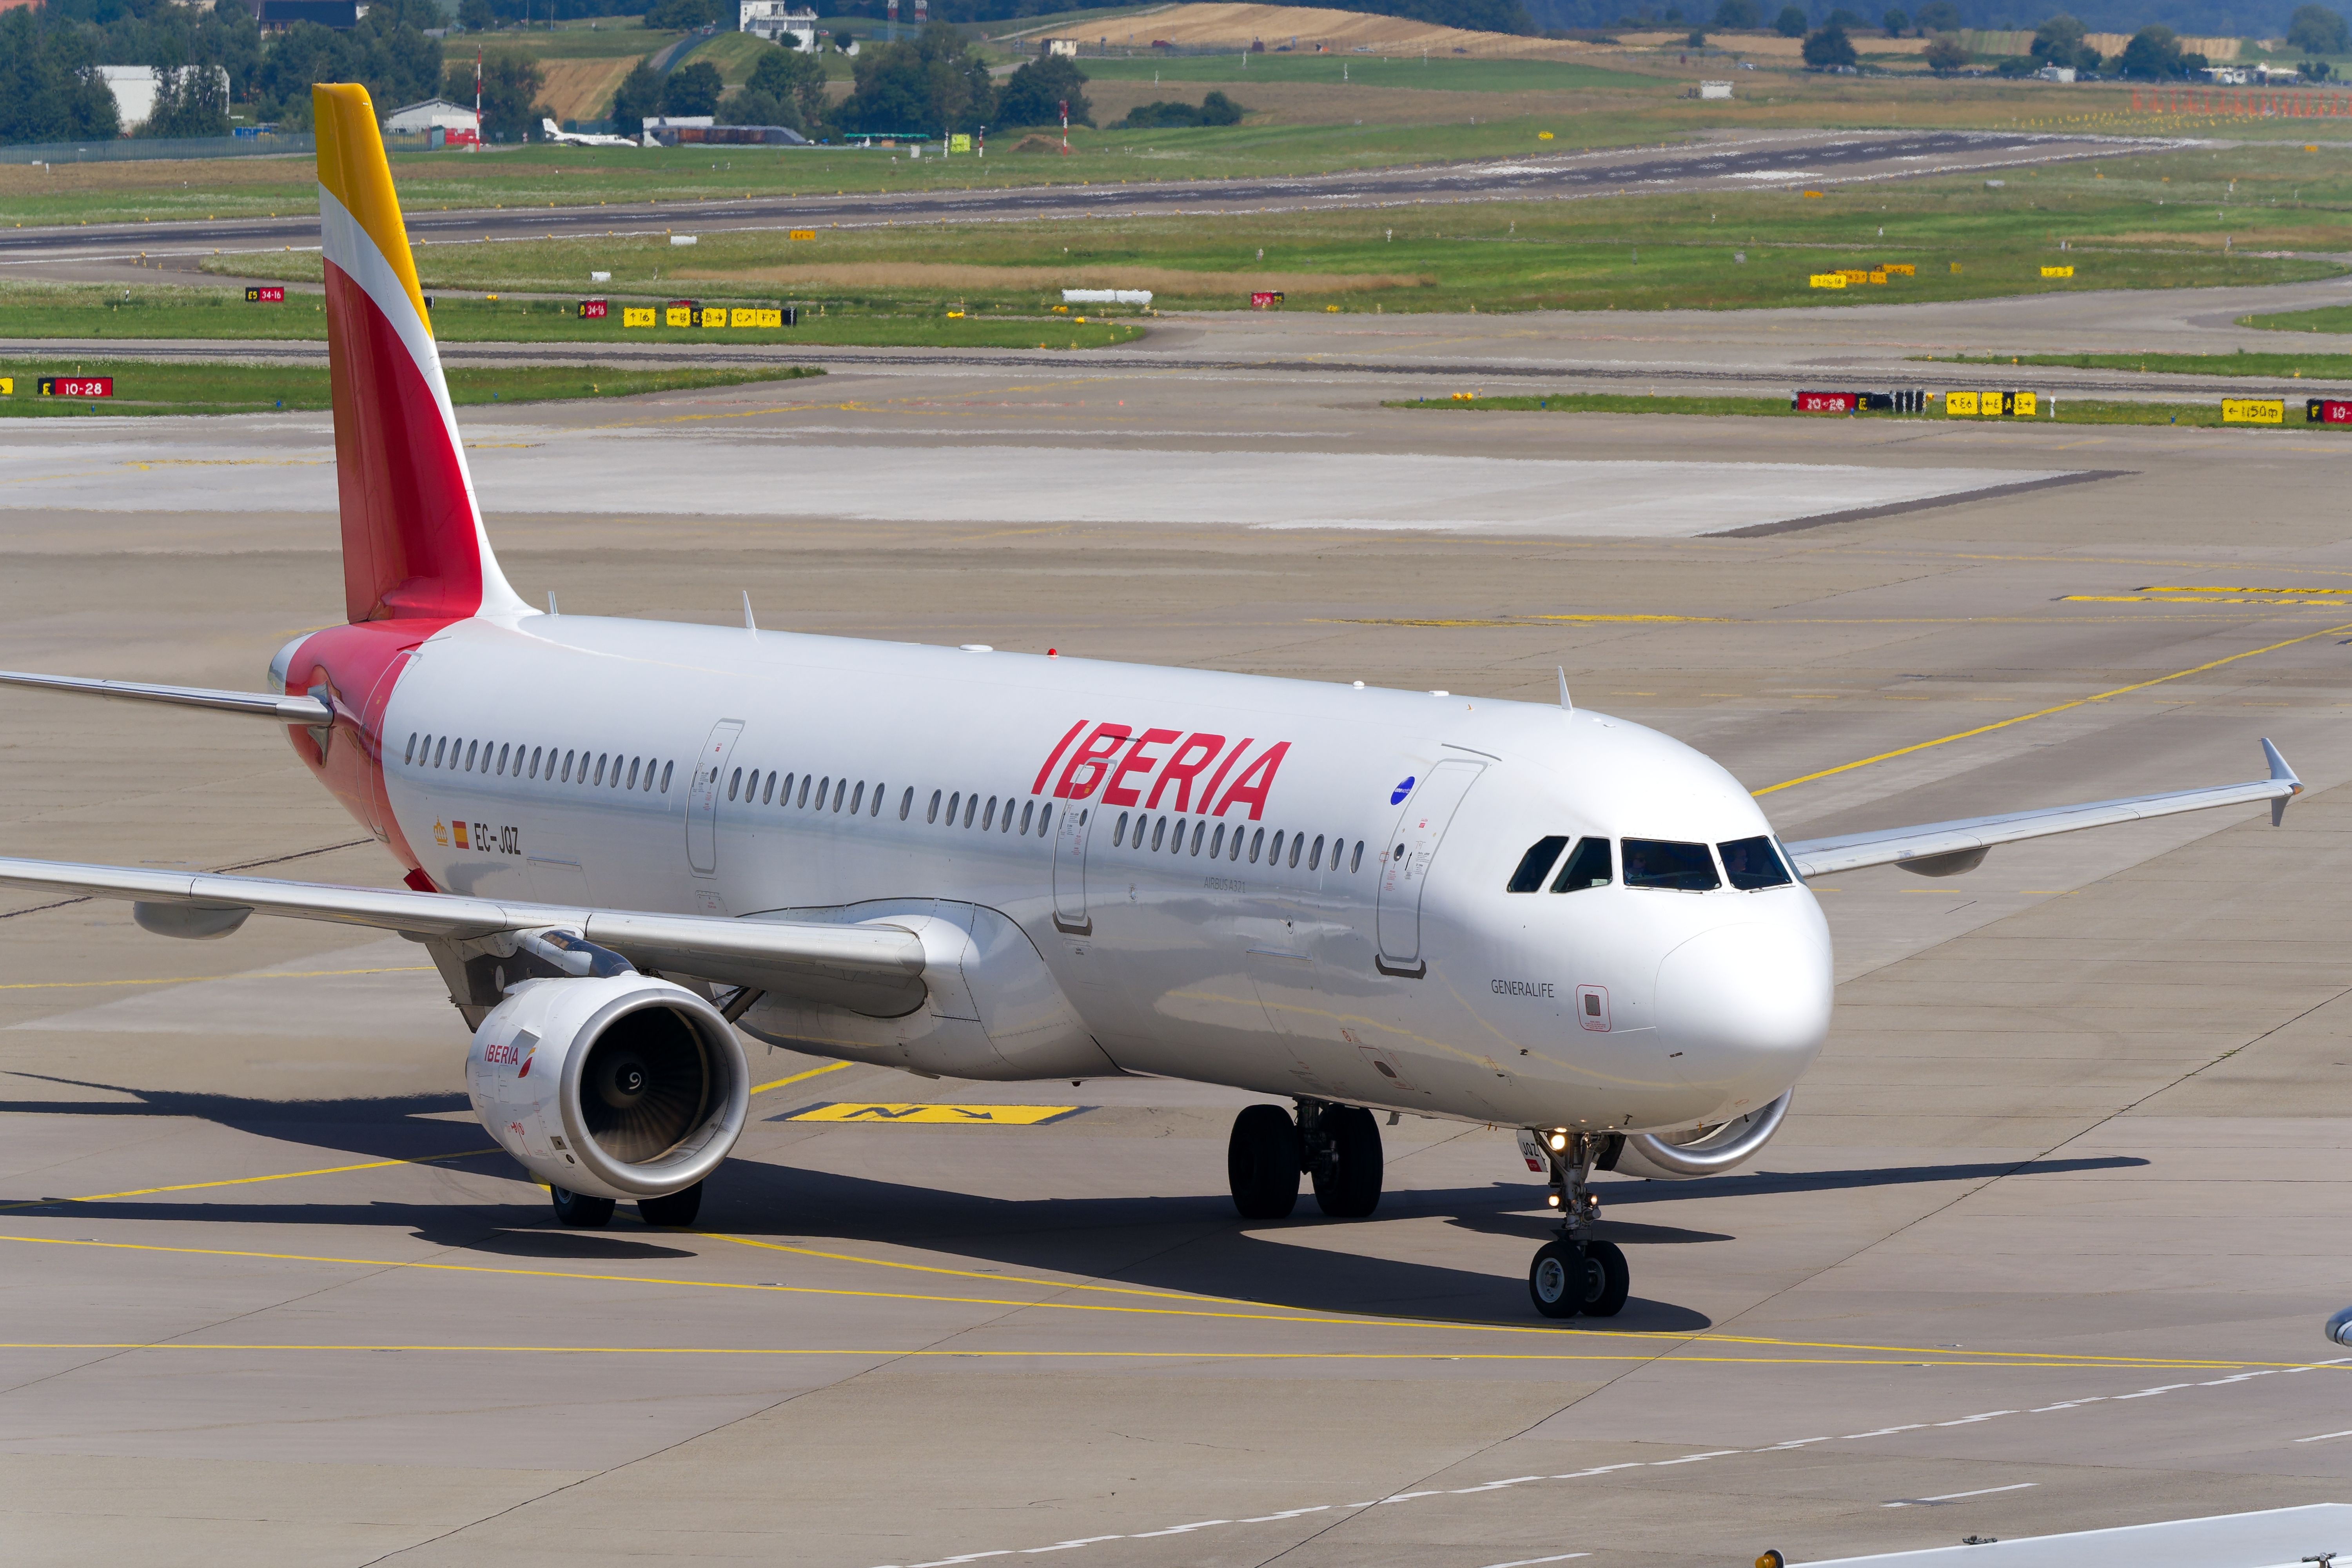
x=1557, y=1279
x=1262, y=1162
x=678, y=1209
x=578, y=1212
x=1350, y=1187
x=1616, y=1279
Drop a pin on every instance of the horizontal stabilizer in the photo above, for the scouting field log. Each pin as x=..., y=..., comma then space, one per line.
x=254, y=704
x=1938, y=848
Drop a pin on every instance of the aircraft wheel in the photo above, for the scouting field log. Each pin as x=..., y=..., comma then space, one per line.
x=578, y=1212
x=1558, y=1278
x=1350, y=1187
x=678, y=1209
x=1262, y=1162
x=1616, y=1277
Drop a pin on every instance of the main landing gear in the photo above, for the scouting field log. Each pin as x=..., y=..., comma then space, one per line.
x=1578, y=1273
x=1338, y=1145
x=582, y=1212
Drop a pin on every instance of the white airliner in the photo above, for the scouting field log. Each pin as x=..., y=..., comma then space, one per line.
x=625, y=841
x=555, y=133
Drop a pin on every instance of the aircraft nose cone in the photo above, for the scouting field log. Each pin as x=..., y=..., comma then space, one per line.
x=1752, y=998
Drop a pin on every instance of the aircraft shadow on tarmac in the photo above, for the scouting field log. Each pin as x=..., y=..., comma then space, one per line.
x=1188, y=1243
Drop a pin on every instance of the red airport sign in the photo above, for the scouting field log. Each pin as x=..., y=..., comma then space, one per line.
x=592, y=309
x=2328, y=411
x=77, y=386
x=270, y=294
x=1826, y=402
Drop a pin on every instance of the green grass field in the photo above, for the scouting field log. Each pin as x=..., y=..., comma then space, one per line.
x=1427, y=75
x=181, y=387
x=612, y=39
x=2268, y=366
x=2128, y=222
x=2069, y=411
x=37, y=310
x=2326, y=319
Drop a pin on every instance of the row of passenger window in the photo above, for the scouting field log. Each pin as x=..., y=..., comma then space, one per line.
x=1221, y=848
x=1748, y=864
x=802, y=792
x=507, y=759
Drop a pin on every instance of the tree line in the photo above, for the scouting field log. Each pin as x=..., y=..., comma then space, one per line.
x=49, y=54
x=930, y=83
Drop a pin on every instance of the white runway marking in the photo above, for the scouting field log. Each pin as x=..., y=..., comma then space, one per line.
x=1532, y=1562
x=1955, y=1497
x=2324, y=1436
x=741, y=473
x=1635, y=1465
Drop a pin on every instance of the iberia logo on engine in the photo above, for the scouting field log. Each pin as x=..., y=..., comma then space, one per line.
x=1120, y=762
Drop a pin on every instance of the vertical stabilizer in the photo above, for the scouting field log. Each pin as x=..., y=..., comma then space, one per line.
x=413, y=538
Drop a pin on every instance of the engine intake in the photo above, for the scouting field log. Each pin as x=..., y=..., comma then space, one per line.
x=618, y=1086
x=1713, y=1151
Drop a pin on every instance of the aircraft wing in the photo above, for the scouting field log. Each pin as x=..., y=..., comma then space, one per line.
x=791, y=957
x=1948, y=849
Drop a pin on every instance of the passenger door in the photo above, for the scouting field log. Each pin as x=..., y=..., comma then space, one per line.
x=1405, y=861
x=702, y=798
x=1070, y=872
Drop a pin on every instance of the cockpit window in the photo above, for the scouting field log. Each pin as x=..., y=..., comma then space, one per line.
x=1656, y=863
x=1535, y=865
x=1588, y=868
x=1753, y=862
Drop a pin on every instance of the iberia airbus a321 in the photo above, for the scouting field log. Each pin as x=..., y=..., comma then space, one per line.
x=1345, y=899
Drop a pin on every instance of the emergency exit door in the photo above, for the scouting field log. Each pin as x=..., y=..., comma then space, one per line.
x=1405, y=861
x=702, y=796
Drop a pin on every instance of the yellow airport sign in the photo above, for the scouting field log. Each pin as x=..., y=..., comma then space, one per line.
x=2067, y=271
x=802, y=233
x=1960, y=403
x=679, y=316
x=1901, y=269
x=959, y=142
x=900, y=1113
x=2252, y=411
x=636, y=316
x=1828, y=280
x=7, y=387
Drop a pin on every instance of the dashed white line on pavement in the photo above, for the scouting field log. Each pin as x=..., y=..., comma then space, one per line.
x=1711, y=1454
x=1955, y=1497
x=1532, y=1562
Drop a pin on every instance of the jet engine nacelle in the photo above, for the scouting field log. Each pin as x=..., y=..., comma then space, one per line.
x=1705, y=1152
x=617, y=1086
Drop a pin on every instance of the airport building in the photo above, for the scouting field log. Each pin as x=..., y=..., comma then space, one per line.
x=773, y=19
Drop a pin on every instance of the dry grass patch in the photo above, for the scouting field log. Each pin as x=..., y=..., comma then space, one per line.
x=582, y=90
x=961, y=278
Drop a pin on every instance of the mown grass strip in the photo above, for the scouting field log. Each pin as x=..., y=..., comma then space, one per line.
x=179, y=313
x=2269, y=366
x=142, y=387
x=2069, y=411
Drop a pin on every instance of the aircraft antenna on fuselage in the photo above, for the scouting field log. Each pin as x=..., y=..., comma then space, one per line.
x=748, y=624
x=1566, y=706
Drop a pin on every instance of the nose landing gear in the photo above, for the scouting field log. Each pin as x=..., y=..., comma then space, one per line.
x=1338, y=1145
x=1578, y=1273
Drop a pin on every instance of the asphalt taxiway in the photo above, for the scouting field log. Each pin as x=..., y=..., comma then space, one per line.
x=2045, y=1243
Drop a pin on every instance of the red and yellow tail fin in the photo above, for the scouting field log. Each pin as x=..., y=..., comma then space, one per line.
x=413, y=539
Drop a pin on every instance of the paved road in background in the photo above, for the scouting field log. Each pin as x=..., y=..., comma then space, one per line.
x=1742, y=162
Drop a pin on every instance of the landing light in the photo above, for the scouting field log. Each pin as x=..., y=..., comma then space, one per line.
x=1559, y=1140
x=1552, y=1200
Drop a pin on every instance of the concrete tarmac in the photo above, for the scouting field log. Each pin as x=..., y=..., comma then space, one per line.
x=2045, y=1245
